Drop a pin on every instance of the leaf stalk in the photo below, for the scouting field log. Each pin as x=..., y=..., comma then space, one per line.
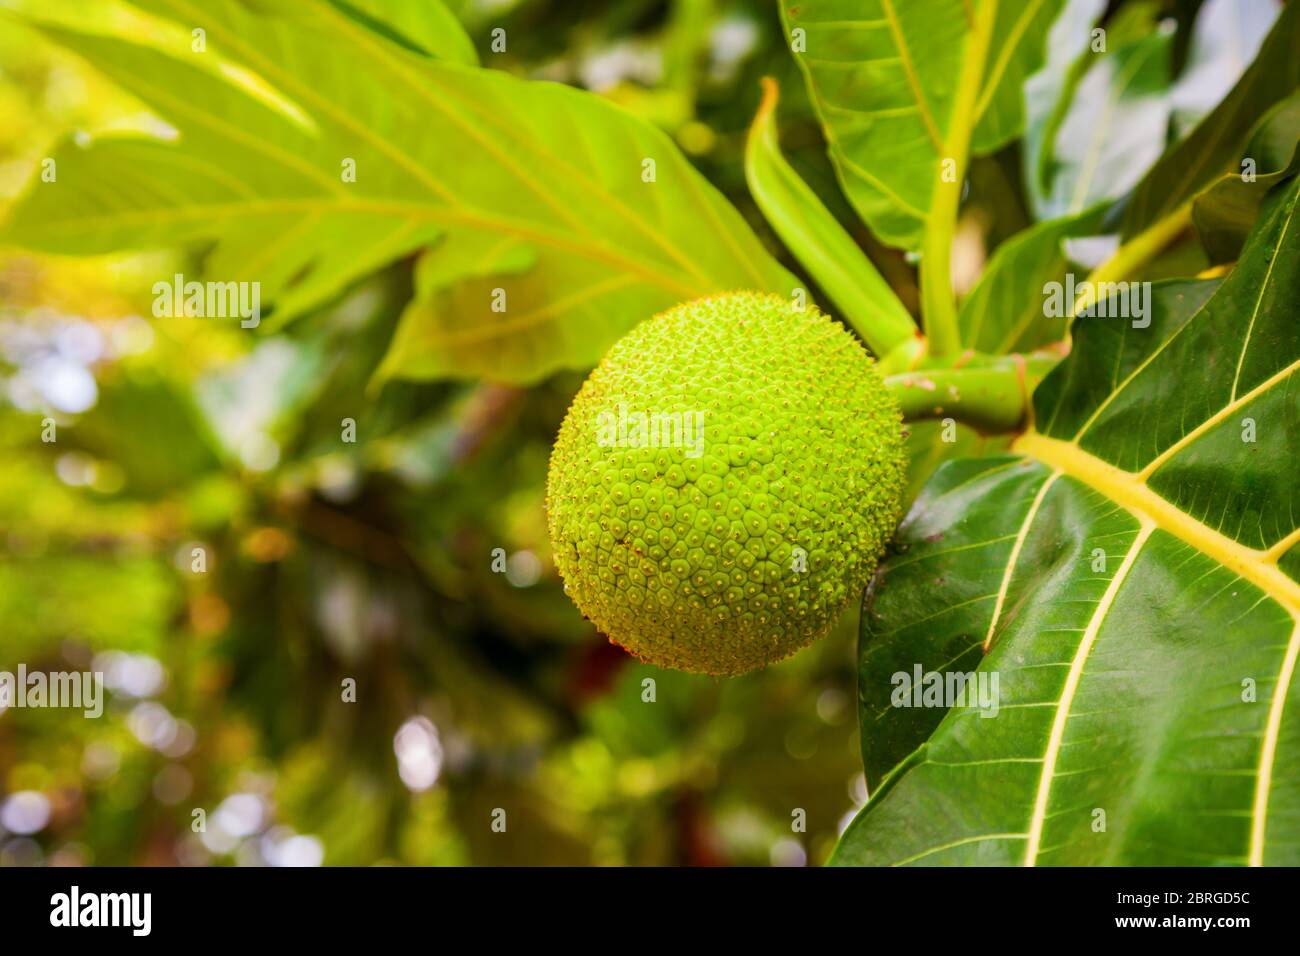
x=938, y=304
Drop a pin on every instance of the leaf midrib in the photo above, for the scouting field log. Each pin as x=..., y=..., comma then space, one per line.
x=1061, y=718
x=423, y=211
x=1014, y=558
x=1130, y=492
x=1268, y=749
x=307, y=94
x=407, y=71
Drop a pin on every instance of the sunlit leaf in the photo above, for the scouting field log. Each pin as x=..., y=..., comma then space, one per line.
x=903, y=88
x=353, y=151
x=427, y=26
x=862, y=298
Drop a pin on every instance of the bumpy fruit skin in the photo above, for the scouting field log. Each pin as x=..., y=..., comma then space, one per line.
x=685, y=555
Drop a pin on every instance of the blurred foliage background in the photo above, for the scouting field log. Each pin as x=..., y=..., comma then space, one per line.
x=372, y=560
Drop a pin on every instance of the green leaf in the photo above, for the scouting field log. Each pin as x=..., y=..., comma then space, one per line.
x=451, y=330
x=441, y=152
x=928, y=447
x=1006, y=310
x=111, y=602
x=148, y=425
x=902, y=87
x=865, y=301
x=1224, y=213
x=1129, y=577
x=1214, y=146
x=452, y=277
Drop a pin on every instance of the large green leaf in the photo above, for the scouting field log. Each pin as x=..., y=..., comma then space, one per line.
x=903, y=86
x=1019, y=49
x=1129, y=576
x=442, y=152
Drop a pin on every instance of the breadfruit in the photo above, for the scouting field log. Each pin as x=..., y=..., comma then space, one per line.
x=724, y=482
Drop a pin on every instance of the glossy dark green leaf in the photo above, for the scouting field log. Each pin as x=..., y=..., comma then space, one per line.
x=1128, y=577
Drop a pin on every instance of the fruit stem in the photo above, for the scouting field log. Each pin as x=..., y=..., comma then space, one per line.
x=992, y=397
x=904, y=357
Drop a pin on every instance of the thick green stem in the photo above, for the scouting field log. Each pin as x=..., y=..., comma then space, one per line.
x=992, y=397
x=938, y=305
x=905, y=357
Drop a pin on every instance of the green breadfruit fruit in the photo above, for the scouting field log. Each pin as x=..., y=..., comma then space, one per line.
x=725, y=481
